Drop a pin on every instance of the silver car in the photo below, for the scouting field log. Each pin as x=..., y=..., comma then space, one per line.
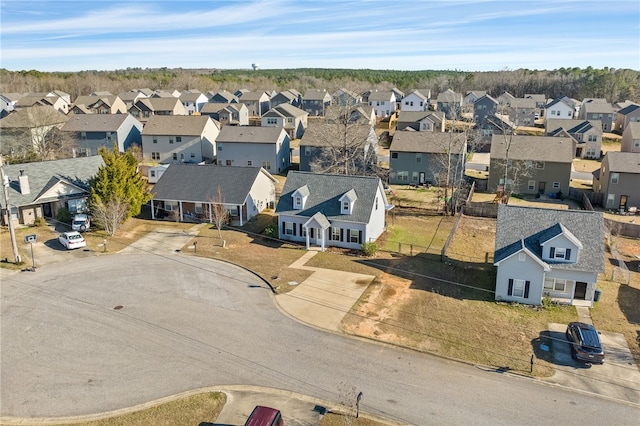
x=72, y=240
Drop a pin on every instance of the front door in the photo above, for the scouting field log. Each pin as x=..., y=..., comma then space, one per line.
x=422, y=180
x=623, y=203
x=581, y=290
x=541, y=187
x=578, y=152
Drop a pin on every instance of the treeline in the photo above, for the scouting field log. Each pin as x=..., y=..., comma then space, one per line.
x=613, y=84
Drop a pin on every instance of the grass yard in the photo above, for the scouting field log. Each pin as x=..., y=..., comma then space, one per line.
x=333, y=419
x=423, y=198
x=427, y=233
x=474, y=240
x=203, y=408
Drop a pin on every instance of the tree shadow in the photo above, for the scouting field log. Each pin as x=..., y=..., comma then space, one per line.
x=428, y=273
x=629, y=303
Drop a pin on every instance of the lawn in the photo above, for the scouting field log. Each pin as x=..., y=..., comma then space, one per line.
x=411, y=231
x=474, y=240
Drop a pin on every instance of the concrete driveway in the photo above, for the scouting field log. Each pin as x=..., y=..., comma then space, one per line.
x=617, y=378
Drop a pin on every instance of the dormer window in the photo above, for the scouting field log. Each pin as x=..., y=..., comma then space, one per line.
x=560, y=253
x=298, y=202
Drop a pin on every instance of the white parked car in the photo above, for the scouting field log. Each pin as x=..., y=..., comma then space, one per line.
x=72, y=240
x=80, y=223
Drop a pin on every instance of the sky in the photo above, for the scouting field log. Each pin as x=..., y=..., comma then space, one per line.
x=467, y=35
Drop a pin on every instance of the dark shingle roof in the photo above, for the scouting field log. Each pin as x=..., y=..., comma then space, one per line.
x=325, y=191
x=199, y=183
x=628, y=109
x=43, y=175
x=534, y=226
x=428, y=142
x=250, y=134
x=537, y=148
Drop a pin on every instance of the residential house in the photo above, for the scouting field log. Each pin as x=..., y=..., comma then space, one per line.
x=505, y=99
x=321, y=142
x=563, y=108
x=27, y=129
x=522, y=111
x=145, y=108
x=586, y=134
x=8, y=103
x=94, y=104
x=243, y=191
x=257, y=102
x=93, y=131
x=165, y=94
x=223, y=97
x=331, y=210
x=292, y=119
x=383, y=103
x=536, y=164
x=399, y=94
x=618, y=180
x=626, y=115
x=291, y=97
x=180, y=139
x=315, y=102
x=235, y=114
x=548, y=253
x=43, y=99
x=41, y=189
x=363, y=114
x=155, y=172
x=495, y=124
x=541, y=102
x=472, y=96
x=602, y=111
x=254, y=146
x=130, y=97
x=483, y=107
x=193, y=101
x=415, y=101
x=631, y=138
x=346, y=97
x=422, y=121
x=423, y=157
x=450, y=103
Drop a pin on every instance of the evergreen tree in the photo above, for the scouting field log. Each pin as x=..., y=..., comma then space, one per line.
x=119, y=180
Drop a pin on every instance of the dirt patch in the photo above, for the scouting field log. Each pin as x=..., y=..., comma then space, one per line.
x=474, y=240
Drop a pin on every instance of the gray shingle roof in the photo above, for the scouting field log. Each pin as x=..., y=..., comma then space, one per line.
x=624, y=162
x=253, y=96
x=160, y=104
x=598, y=108
x=250, y=134
x=377, y=96
x=523, y=103
x=427, y=142
x=162, y=125
x=634, y=128
x=39, y=115
x=199, y=183
x=43, y=175
x=288, y=110
x=534, y=225
x=537, y=148
x=325, y=191
x=94, y=122
x=323, y=134
x=315, y=95
x=572, y=126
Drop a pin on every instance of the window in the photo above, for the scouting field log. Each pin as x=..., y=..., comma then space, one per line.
x=593, y=138
x=335, y=234
x=307, y=151
x=83, y=136
x=288, y=228
x=155, y=139
x=555, y=284
x=155, y=155
x=175, y=156
x=193, y=155
x=181, y=156
x=539, y=165
x=636, y=143
x=611, y=199
x=152, y=173
x=178, y=139
x=560, y=252
x=414, y=176
x=272, y=120
x=403, y=176
x=170, y=205
x=298, y=202
x=109, y=136
x=198, y=208
x=568, y=114
x=345, y=206
x=615, y=177
x=354, y=236
x=531, y=185
x=394, y=155
x=419, y=157
x=249, y=163
x=556, y=185
x=170, y=139
x=518, y=288
x=228, y=162
x=376, y=203
x=266, y=165
x=522, y=257
x=290, y=120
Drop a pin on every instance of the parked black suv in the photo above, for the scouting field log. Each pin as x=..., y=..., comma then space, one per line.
x=585, y=342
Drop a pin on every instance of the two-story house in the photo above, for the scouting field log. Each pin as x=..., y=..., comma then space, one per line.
x=292, y=119
x=586, y=134
x=94, y=104
x=315, y=102
x=550, y=253
x=422, y=121
x=236, y=114
x=415, y=101
x=331, y=210
x=222, y=97
x=90, y=132
x=618, y=180
x=631, y=138
x=257, y=102
x=346, y=97
x=383, y=103
x=450, y=103
x=561, y=108
x=180, y=139
x=522, y=111
x=252, y=146
x=602, y=111
x=541, y=102
x=29, y=129
x=483, y=107
x=291, y=97
x=534, y=164
x=193, y=101
x=496, y=124
x=626, y=115
x=144, y=108
x=424, y=157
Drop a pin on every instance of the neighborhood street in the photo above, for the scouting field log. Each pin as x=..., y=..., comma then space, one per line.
x=102, y=333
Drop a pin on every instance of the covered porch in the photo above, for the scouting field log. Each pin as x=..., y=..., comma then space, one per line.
x=567, y=291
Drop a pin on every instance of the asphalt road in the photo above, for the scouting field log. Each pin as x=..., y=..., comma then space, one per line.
x=185, y=323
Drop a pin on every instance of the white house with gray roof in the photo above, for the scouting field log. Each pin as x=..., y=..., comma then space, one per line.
x=415, y=101
x=548, y=253
x=192, y=101
x=331, y=210
x=382, y=102
x=252, y=146
x=41, y=189
x=192, y=191
x=563, y=108
x=180, y=139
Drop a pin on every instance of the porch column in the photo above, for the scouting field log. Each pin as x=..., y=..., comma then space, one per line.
x=180, y=208
x=322, y=240
x=153, y=213
x=307, y=235
x=210, y=213
x=240, y=214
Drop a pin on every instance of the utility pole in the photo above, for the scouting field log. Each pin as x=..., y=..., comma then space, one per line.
x=12, y=232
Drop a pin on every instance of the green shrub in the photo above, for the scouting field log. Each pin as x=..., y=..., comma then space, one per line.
x=271, y=231
x=64, y=215
x=39, y=222
x=369, y=249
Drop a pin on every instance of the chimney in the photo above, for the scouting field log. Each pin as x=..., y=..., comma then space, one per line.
x=23, y=180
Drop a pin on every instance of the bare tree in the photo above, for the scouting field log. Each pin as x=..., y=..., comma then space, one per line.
x=109, y=215
x=218, y=213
